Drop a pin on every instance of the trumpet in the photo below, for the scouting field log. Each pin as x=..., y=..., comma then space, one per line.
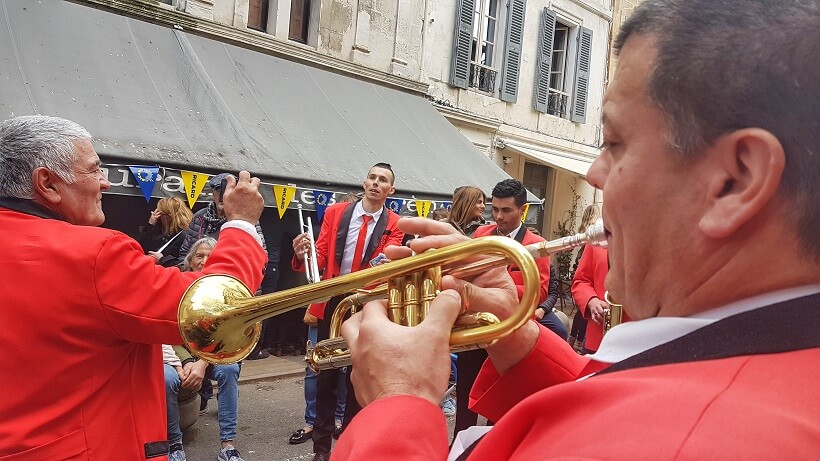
x=612, y=315
x=219, y=318
x=311, y=265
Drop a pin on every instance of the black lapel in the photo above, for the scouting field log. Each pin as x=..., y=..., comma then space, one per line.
x=28, y=207
x=784, y=327
x=375, y=237
x=341, y=234
x=522, y=231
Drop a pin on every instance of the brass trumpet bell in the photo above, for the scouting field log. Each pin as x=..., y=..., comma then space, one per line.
x=206, y=322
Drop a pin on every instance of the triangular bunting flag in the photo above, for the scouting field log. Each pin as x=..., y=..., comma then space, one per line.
x=146, y=177
x=193, y=183
x=423, y=208
x=322, y=198
x=283, y=196
x=526, y=210
x=447, y=205
x=395, y=204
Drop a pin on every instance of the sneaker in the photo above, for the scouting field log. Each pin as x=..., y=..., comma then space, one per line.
x=176, y=453
x=337, y=432
x=449, y=407
x=229, y=454
x=260, y=354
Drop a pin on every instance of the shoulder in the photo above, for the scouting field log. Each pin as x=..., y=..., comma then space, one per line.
x=486, y=229
x=529, y=237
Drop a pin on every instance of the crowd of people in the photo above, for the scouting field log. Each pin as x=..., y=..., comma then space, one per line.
x=704, y=176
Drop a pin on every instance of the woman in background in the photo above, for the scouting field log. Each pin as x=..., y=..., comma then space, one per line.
x=173, y=216
x=467, y=211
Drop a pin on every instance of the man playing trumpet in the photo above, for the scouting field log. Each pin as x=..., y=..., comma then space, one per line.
x=709, y=174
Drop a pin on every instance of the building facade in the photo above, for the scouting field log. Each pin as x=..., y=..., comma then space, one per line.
x=523, y=80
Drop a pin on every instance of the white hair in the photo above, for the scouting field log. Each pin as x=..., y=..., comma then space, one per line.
x=207, y=241
x=33, y=141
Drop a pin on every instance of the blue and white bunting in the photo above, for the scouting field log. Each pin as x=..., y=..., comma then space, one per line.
x=146, y=177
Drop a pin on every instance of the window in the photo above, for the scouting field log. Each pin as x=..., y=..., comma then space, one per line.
x=258, y=15
x=562, y=69
x=482, y=70
x=478, y=60
x=557, y=100
x=299, y=20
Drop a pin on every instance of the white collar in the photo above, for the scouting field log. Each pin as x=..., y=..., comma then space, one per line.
x=632, y=338
x=358, y=211
x=511, y=234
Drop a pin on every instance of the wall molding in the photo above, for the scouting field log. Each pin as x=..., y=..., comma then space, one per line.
x=165, y=15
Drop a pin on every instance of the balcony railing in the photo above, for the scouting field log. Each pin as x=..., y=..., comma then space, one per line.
x=482, y=78
x=557, y=103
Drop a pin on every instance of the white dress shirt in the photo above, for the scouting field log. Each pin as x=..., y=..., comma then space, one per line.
x=353, y=235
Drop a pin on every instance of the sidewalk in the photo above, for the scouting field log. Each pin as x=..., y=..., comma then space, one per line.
x=271, y=368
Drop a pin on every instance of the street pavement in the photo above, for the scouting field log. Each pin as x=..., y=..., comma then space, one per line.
x=271, y=407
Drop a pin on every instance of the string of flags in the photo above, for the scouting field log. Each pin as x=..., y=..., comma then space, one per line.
x=194, y=183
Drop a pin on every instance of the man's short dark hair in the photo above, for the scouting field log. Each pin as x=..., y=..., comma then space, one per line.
x=724, y=65
x=388, y=167
x=511, y=188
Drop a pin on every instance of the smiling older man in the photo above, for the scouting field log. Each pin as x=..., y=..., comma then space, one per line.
x=84, y=310
x=711, y=178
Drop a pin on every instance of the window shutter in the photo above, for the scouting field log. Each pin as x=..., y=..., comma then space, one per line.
x=543, y=65
x=297, y=28
x=258, y=14
x=581, y=89
x=512, y=50
x=462, y=44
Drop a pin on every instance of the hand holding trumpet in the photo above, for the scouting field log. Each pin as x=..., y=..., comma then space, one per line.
x=391, y=359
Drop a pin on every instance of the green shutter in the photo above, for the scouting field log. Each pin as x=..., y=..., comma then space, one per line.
x=546, y=35
x=462, y=44
x=581, y=88
x=512, y=50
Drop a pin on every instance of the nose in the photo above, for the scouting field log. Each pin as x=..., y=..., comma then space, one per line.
x=105, y=184
x=204, y=259
x=599, y=171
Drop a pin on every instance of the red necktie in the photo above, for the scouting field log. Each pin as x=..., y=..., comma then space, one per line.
x=357, y=254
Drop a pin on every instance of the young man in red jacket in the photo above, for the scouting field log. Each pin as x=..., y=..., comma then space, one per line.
x=509, y=199
x=352, y=235
x=708, y=176
x=83, y=306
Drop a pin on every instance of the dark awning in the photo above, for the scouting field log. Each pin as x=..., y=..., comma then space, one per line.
x=152, y=94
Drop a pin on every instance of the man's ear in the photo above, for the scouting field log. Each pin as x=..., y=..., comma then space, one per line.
x=46, y=187
x=745, y=167
x=392, y=190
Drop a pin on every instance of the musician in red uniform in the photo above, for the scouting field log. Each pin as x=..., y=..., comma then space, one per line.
x=588, y=292
x=84, y=310
x=352, y=235
x=710, y=171
x=509, y=203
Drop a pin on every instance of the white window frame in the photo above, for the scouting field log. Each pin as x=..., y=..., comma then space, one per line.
x=477, y=67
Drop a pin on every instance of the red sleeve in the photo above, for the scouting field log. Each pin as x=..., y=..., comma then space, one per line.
x=552, y=361
x=401, y=427
x=583, y=288
x=140, y=299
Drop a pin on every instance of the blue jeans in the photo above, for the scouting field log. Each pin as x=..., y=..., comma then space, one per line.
x=227, y=377
x=172, y=404
x=310, y=390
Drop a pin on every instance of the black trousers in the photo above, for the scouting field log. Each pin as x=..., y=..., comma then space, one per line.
x=326, y=384
x=468, y=365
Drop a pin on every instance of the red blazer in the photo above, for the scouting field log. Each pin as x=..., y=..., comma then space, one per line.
x=84, y=315
x=726, y=408
x=588, y=283
x=331, y=241
x=542, y=263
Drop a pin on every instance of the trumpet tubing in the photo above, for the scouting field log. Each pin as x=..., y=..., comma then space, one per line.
x=219, y=318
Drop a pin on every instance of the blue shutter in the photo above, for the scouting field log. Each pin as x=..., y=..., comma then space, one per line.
x=462, y=44
x=543, y=64
x=581, y=89
x=512, y=50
